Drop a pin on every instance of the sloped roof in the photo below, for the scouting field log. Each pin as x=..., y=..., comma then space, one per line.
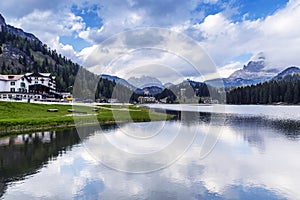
x=38, y=74
x=10, y=77
x=45, y=74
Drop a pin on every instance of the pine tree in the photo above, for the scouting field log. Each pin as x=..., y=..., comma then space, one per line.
x=296, y=93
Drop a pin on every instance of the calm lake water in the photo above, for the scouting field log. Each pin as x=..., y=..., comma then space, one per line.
x=245, y=152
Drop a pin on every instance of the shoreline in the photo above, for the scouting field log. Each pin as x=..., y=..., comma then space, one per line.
x=20, y=131
x=18, y=118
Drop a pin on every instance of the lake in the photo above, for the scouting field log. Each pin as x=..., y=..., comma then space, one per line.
x=207, y=152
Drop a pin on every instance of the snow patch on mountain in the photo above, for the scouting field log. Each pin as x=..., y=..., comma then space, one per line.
x=255, y=69
x=145, y=81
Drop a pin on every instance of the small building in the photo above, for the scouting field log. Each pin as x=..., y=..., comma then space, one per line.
x=111, y=100
x=14, y=83
x=143, y=100
x=41, y=83
x=209, y=100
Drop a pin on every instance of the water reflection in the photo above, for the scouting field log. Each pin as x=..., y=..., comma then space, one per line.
x=254, y=158
x=24, y=155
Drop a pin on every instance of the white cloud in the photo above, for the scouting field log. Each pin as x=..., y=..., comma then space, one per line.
x=17, y=9
x=223, y=38
x=164, y=54
x=119, y=16
x=210, y=1
x=49, y=26
x=276, y=35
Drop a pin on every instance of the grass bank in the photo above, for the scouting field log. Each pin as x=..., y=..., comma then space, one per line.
x=17, y=117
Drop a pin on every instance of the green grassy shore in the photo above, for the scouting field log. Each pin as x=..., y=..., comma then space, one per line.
x=17, y=117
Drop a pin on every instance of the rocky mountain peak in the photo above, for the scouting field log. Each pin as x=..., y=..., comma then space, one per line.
x=16, y=31
x=2, y=22
x=255, y=69
x=256, y=64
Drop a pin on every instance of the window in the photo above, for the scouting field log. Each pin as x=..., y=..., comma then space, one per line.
x=12, y=83
x=22, y=85
x=12, y=89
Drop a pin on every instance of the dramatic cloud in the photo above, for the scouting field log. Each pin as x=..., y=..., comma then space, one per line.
x=142, y=50
x=225, y=39
x=17, y=9
x=276, y=36
x=221, y=29
x=48, y=26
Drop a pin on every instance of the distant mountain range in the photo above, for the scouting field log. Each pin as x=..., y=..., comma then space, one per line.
x=254, y=72
x=145, y=81
x=143, y=85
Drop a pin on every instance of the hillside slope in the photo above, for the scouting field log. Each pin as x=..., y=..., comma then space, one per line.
x=22, y=52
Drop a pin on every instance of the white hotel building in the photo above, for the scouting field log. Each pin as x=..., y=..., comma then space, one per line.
x=35, y=86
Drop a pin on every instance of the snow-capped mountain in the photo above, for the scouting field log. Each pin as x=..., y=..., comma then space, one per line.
x=254, y=72
x=167, y=85
x=145, y=81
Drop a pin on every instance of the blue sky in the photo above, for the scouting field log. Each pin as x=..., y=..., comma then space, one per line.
x=231, y=31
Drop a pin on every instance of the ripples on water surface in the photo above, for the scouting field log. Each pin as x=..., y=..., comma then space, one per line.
x=254, y=158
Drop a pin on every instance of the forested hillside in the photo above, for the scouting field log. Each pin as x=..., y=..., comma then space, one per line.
x=19, y=55
x=287, y=91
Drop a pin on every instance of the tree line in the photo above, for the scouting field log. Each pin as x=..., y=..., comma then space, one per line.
x=266, y=93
